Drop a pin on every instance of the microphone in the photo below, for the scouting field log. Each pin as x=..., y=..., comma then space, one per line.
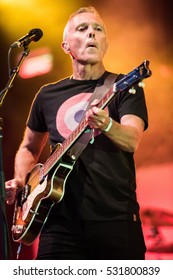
x=33, y=35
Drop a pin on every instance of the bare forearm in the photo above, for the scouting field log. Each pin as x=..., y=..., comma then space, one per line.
x=24, y=162
x=126, y=137
x=28, y=153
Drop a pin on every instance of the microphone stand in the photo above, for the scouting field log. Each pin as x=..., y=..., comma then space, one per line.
x=4, y=240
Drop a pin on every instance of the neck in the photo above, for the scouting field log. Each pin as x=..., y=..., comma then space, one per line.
x=87, y=72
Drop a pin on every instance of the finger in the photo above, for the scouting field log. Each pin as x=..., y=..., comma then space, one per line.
x=10, y=193
x=9, y=202
x=95, y=102
x=96, y=110
x=88, y=114
x=10, y=197
x=12, y=184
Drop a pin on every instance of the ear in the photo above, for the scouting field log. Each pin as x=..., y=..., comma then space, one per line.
x=65, y=47
x=107, y=46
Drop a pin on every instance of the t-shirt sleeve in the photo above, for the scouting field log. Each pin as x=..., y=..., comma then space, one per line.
x=134, y=104
x=36, y=118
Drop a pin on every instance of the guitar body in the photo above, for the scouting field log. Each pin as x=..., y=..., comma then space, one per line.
x=35, y=200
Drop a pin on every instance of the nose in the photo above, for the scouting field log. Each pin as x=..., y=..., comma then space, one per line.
x=91, y=33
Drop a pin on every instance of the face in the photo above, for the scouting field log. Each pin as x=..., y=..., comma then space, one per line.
x=85, y=38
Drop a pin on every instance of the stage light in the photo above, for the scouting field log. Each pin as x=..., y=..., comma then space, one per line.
x=39, y=62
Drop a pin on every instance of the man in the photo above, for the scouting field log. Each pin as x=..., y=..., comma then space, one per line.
x=98, y=217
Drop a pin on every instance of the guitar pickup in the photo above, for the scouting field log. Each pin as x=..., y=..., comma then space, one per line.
x=23, y=194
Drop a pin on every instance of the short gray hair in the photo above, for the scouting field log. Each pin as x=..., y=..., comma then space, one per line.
x=89, y=9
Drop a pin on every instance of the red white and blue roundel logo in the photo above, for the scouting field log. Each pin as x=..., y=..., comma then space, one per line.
x=70, y=113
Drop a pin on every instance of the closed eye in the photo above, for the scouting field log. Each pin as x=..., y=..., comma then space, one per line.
x=98, y=28
x=82, y=28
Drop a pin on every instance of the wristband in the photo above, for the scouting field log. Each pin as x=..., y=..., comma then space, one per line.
x=109, y=126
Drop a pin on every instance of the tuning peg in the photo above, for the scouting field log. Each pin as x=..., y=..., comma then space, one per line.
x=141, y=84
x=132, y=90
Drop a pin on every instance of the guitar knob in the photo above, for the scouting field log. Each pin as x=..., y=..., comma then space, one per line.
x=132, y=90
x=141, y=84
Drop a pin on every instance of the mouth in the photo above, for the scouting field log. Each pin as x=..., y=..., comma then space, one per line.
x=91, y=45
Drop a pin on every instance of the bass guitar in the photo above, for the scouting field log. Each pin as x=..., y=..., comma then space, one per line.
x=45, y=185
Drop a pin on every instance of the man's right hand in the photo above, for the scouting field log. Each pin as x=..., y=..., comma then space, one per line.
x=11, y=187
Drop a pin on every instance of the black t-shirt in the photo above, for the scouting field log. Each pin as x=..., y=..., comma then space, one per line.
x=102, y=184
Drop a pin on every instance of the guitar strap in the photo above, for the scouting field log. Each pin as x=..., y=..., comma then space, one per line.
x=85, y=138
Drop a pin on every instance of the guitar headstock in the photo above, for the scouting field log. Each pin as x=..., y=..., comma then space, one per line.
x=137, y=75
